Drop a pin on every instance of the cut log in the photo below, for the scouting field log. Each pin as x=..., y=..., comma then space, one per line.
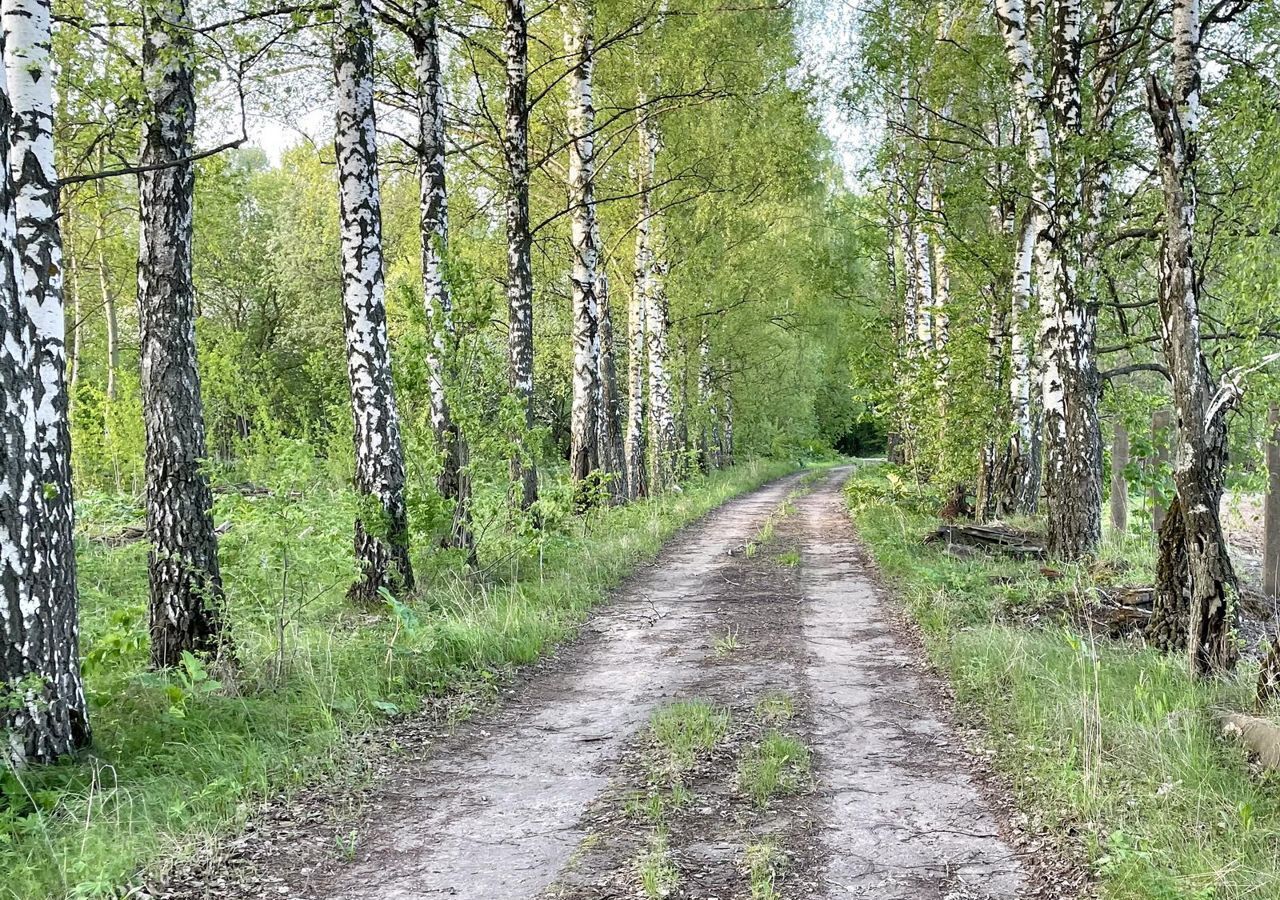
x=992, y=538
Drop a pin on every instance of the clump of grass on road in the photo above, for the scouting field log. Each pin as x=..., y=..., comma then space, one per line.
x=778, y=765
x=658, y=875
x=775, y=708
x=763, y=861
x=687, y=728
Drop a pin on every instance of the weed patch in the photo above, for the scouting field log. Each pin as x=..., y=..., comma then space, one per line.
x=1107, y=740
x=778, y=765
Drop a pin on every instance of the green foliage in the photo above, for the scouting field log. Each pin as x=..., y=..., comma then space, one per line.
x=658, y=875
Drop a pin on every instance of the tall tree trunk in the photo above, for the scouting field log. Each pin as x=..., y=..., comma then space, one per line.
x=662, y=439
x=1161, y=420
x=728, y=453
x=706, y=402
x=77, y=319
x=382, y=529
x=1071, y=385
x=894, y=443
x=921, y=262
x=1201, y=445
x=1271, y=527
x=104, y=285
x=1120, y=481
x=453, y=481
x=987, y=501
x=515, y=46
x=638, y=325
x=1167, y=627
x=584, y=453
x=609, y=408
x=941, y=280
x=1020, y=476
x=186, y=584
x=42, y=704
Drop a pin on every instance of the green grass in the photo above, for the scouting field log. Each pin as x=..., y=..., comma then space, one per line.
x=661, y=798
x=658, y=875
x=687, y=728
x=175, y=764
x=1109, y=740
x=789, y=558
x=778, y=765
x=727, y=644
x=763, y=860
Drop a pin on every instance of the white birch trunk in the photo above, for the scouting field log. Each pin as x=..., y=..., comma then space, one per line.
x=453, y=481
x=515, y=48
x=382, y=543
x=43, y=714
x=1071, y=385
x=638, y=322
x=584, y=453
x=662, y=437
x=104, y=286
x=941, y=281
x=1021, y=483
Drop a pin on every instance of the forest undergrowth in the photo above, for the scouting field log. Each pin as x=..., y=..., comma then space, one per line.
x=1108, y=743
x=183, y=757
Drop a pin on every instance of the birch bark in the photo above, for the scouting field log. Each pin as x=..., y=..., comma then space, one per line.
x=515, y=46
x=1071, y=386
x=662, y=438
x=382, y=531
x=453, y=481
x=586, y=414
x=43, y=714
x=1201, y=426
x=186, y=583
x=638, y=322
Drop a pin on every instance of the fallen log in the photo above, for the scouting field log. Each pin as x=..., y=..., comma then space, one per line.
x=991, y=538
x=1122, y=610
x=131, y=534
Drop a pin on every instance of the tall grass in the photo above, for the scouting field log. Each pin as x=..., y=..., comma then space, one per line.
x=181, y=759
x=1108, y=741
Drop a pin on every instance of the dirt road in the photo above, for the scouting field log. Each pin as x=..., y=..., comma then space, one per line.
x=763, y=621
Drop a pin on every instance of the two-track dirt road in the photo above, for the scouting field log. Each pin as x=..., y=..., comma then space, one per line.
x=766, y=604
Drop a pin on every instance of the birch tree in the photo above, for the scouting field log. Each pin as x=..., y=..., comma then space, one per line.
x=382, y=534
x=1193, y=533
x=610, y=435
x=650, y=260
x=186, y=583
x=1021, y=464
x=453, y=481
x=585, y=425
x=1071, y=386
x=515, y=47
x=43, y=714
x=638, y=325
